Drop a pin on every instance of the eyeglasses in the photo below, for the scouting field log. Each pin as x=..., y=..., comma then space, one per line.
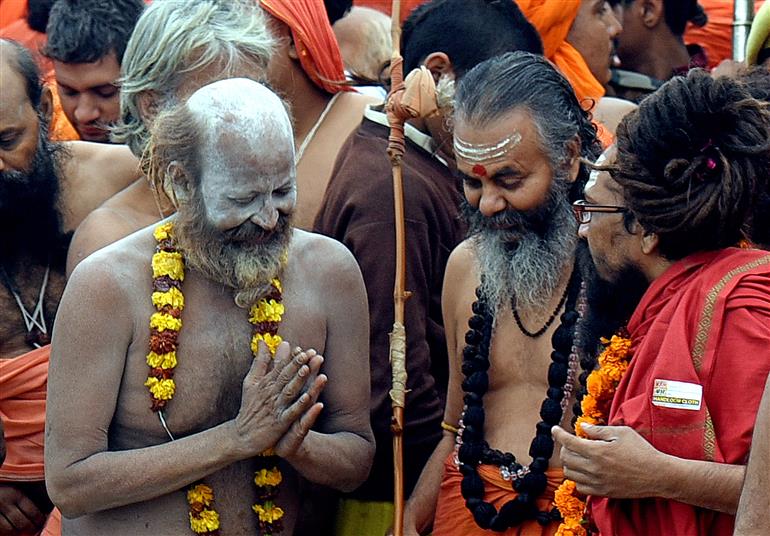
x=583, y=209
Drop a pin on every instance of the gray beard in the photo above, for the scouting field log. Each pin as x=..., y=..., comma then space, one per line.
x=247, y=267
x=523, y=264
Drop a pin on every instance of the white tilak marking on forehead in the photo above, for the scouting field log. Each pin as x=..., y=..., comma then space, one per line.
x=485, y=152
x=594, y=176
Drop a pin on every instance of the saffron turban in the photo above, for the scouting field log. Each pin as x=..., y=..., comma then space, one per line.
x=553, y=20
x=314, y=40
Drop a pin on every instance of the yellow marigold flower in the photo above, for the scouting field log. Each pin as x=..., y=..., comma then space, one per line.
x=268, y=452
x=164, y=361
x=206, y=521
x=268, y=477
x=161, y=389
x=200, y=493
x=268, y=513
x=272, y=342
x=168, y=263
x=164, y=321
x=163, y=232
x=172, y=297
x=266, y=311
x=277, y=284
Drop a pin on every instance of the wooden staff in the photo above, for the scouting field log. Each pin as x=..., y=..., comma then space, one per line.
x=396, y=147
x=743, y=13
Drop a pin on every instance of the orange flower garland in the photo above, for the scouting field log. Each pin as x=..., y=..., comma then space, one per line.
x=165, y=324
x=595, y=407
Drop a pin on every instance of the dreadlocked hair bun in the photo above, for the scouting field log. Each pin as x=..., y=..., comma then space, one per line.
x=690, y=161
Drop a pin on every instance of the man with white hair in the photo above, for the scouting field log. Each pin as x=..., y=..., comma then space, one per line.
x=177, y=46
x=161, y=442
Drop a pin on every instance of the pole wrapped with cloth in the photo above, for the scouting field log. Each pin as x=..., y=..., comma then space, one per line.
x=410, y=98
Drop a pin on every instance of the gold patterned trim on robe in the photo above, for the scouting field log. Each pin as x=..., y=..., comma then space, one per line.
x=707, y=317
x=701, y=340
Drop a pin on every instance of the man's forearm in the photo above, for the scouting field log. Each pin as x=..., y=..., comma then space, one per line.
x=140, y=474
x=341, y=460
x=711, y=485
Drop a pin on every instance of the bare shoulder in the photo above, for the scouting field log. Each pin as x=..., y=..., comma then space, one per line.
x=102, y=161
x=121, y=265
x=609, y=111
x=460, y=280
x=94, y=172
x=461, y=265
x=358, y=101
x=324, y=255
x=117, y=218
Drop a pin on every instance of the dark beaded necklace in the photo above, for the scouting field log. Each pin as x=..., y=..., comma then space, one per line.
x=529, y=482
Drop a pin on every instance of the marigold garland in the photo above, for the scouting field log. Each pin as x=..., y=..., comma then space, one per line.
x=266, y=316
x=601, y=385
x=165, y=324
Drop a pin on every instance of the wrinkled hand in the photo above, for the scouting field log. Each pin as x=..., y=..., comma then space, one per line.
x=314, y=384
x=18, y=514
x=615, y=462
x=273, y=398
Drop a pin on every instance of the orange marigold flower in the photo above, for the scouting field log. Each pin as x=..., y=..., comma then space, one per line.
x=571, y=529
x=617, y=350
x=587, y=420
x=200, y=493
x=567, y=501
x=599, y=385
x=590, y=407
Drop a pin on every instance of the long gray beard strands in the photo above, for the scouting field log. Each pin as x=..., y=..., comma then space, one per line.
x=526, y=274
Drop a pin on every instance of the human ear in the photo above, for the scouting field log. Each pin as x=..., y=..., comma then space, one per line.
x=46, y=104
x=652, y=12
x=439, y=64
x=573, y=149
x=649, y=243
x=148, y=105
x=177, y=182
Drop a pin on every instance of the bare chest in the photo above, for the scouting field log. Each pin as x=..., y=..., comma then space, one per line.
x=213, y=357
x=28, y=299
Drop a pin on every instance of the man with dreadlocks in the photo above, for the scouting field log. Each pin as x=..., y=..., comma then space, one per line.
x=519, y=137
x=669, y=216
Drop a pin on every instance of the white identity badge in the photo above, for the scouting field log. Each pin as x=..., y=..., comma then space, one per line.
x=679, y=395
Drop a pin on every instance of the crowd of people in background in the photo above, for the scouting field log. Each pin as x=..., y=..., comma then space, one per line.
x=198, y=253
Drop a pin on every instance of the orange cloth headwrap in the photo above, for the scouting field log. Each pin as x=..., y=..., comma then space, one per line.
x=314, y=40
x=553, y=20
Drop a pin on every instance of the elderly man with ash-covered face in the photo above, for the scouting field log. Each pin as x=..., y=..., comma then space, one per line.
x=227, y=259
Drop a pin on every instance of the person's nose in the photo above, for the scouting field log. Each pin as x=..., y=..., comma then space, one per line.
x=86, y=110
x=491, y=201
x=614, y=27
x=266, y=218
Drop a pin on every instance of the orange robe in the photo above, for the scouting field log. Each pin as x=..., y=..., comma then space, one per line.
x=23, y=383
x=454, y=519
x=704, y=323
x=716, y=37
x=11, y=11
